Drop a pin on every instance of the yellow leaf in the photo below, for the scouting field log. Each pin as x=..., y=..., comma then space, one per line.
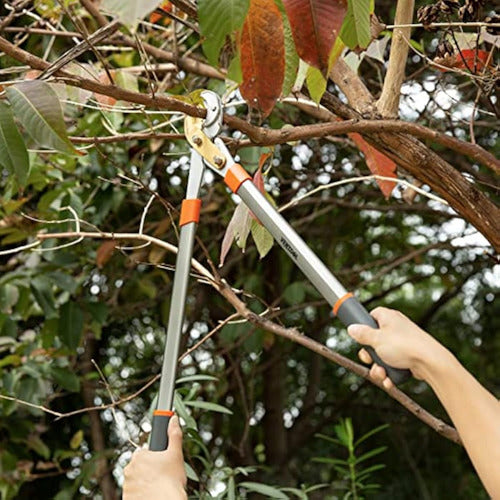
x=76, y=440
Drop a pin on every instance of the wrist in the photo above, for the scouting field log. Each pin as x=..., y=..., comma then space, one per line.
x=434, y=361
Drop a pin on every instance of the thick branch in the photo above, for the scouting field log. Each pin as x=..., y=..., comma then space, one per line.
x=388, y=104
x=431, y=169
x=408, y=152
x=261, y=135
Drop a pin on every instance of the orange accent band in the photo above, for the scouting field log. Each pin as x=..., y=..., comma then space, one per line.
x=190, y=211
x=235, y=177
x=339, y=302
x=163, y=413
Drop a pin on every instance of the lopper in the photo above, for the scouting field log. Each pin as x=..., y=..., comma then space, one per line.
x=210, y=150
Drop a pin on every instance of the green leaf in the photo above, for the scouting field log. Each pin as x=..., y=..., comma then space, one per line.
x=316, y=83
x=131, y=11
x=262, y=237
x=42, y=291
x=66, y=378
x=328, y=438
x=196, y=378
x=63, y=281
x=231, y=489
x=98, y=311
x=218, y=19
x=13, y=153
x=234, y=70
x=367, y=472
x=295, y=293
x=71, y=324
x=295, y=491
x=37, y=445
x=37, y=107
x=371, y=453
x=327, y=460
x=370, y=433
x=76, y=440
x=291, y=57
x=182, y=411
x=264, y=489
x=190, y=473
x=205, y=405
x=355, y=30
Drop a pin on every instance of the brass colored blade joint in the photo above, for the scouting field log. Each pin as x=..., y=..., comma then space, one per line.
x=193, y=129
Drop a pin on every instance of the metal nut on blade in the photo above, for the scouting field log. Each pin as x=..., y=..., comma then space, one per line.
x=197, y=140
x=219, y=161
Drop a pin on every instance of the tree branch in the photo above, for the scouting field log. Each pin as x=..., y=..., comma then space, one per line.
x=419, y=160
x=288, y=333
x=388, y=104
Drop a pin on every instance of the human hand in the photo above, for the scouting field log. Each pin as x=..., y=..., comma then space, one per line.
x=157, y=475
x=398, y=341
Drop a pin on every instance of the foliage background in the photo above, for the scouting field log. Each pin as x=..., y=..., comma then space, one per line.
x=61, y=309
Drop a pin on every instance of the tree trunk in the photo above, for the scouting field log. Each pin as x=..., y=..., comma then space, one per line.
x=102, y=470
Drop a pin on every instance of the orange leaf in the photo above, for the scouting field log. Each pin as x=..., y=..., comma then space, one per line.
x=262, y=55
x=315, y=27
x=378, y=163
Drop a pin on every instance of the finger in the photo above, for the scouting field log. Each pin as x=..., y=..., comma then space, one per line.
x=364, y=334
x=381, y=314
x=377, y=373
x=364, y=356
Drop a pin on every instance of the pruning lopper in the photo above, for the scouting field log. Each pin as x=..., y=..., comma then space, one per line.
x=210, y=150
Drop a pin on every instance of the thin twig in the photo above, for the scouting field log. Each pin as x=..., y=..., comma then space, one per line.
x=361, y=179
x=222, y=324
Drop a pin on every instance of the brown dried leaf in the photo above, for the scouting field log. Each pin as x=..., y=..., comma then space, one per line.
x=262, y=55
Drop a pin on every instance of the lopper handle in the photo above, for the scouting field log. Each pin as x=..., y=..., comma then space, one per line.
x=158, y=440
x=350, y=312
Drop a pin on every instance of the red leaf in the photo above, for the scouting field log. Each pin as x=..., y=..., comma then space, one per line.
x=378, y=163
x=473, y=60
x=315, y=26
x=262, y=55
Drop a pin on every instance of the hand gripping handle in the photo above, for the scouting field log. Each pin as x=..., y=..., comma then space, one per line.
x=350, y=312
x=158, y=440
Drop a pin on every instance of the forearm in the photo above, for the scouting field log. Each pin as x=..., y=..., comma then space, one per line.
x=474, y=411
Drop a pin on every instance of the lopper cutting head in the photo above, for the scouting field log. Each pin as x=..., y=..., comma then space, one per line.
x=213, y=121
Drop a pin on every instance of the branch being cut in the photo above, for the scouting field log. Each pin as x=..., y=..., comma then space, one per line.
x=289, y=333
x=388, y=104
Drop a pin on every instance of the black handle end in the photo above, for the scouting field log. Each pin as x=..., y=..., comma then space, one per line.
x=350, y=312
x=158, y=441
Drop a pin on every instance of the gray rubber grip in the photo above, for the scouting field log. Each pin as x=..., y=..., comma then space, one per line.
x=351, y=312
x=158, y=440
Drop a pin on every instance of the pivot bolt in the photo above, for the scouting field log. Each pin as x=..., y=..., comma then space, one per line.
x=219, y=161
x=197, y=140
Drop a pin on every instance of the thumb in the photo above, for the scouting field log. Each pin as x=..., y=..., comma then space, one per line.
x=174, y=435
x=363, y=334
